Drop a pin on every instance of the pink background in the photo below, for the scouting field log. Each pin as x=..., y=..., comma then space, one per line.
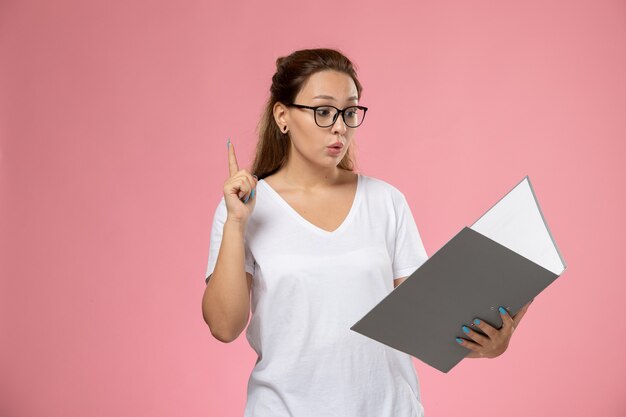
x=113, y=124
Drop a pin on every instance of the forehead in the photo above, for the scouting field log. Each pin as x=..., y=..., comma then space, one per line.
x=329, y=83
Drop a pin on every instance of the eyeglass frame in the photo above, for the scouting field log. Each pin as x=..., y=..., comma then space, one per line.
x=339, y=111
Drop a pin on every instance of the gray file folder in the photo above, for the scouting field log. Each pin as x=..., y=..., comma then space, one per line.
x=505, y=259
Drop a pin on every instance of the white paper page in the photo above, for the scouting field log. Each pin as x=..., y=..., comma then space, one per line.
x=516, y=222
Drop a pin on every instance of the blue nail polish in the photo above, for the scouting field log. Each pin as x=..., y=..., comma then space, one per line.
x=247, y=198
x=458, y=339
x=466, y=329
x=502, y=310
x=476, y=321
x=252, y=193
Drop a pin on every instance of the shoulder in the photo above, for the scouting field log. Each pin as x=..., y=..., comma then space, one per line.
x=220, y=210
x=382, y=187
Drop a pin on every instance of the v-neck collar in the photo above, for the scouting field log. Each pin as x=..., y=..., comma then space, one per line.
x=308, y=224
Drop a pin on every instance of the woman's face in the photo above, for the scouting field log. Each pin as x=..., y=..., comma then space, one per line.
x=327, y=87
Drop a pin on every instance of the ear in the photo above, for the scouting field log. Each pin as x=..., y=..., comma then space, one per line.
x=280, y=114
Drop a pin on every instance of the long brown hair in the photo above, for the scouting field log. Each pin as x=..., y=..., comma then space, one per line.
x=292, y=72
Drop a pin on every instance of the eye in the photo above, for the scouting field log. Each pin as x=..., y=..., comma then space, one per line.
x=323, y=111
x=352, y=112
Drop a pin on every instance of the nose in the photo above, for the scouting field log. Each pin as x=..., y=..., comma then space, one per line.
x=339, y=126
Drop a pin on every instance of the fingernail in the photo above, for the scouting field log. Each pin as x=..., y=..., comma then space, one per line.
x=247, y=198
x=476, y=321
x=502, y=310
x=227, y=142
x=466, y=329
x=252, y=193
x=255, y=176
x=458, y=339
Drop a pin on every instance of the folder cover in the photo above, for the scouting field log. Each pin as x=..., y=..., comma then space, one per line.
x=506, y=259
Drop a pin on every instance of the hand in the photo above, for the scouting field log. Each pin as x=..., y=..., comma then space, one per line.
x=239, y=189
x=496, y=341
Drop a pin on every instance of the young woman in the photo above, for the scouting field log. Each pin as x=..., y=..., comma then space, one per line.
x=316, y=245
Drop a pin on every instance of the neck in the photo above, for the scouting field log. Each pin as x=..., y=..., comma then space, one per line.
x=305, y=177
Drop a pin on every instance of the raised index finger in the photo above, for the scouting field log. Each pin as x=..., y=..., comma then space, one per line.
x=233, y=168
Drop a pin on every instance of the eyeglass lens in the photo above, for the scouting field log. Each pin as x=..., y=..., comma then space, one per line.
x=352, y=116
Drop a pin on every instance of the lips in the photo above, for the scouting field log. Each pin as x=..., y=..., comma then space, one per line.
x=337, y=145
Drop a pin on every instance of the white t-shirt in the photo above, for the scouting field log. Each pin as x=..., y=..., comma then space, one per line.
x=310, y=287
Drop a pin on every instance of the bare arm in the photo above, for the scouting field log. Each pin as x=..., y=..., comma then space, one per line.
x=398, y=281
x=226, y=299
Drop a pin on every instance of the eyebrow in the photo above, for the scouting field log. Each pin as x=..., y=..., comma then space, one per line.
x=333, y=98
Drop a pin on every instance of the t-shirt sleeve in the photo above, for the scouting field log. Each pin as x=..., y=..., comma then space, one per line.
x=219, y=218
x=409, y=252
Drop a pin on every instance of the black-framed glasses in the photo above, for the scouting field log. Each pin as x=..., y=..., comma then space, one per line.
x=326, y=116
